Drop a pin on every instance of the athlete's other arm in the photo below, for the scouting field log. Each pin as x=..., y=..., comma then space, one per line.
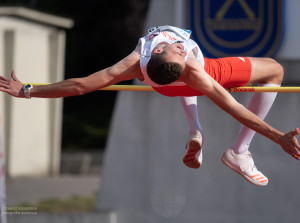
x=126, y=69
x=196, y=77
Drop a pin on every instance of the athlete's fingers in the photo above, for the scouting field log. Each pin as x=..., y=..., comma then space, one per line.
x=294, y=156
x=297, y=153
x=297, y=157
x=3, y=78
x=3, y=82
x=295, y=132
x=297, y=146
x=293, y=152
x=3, y=89
x=3, y=86
x=13, y=76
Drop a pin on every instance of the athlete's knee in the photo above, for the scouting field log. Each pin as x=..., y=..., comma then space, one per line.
x=277, y=71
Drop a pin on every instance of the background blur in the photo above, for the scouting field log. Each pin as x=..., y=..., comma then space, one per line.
x=121, y=152
x=89, y=50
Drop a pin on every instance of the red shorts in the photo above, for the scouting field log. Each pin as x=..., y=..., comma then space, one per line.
x=228, y=72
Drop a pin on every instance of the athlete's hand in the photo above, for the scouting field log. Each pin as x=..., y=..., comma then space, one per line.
x=289, y=143
x=12, y=86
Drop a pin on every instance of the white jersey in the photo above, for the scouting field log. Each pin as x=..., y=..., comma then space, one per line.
x=169, y=34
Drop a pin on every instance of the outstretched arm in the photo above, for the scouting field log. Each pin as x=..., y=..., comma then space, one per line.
x=126, y=69
x=198, y=79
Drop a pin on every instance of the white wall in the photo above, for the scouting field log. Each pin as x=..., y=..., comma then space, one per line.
x=28, y=132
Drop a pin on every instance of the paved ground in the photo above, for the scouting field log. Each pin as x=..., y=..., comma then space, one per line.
x=29, y=190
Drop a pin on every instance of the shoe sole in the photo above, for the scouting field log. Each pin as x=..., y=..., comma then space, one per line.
x=190, y=159
x=245, y=177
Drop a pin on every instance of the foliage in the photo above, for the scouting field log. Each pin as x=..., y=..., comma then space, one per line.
x=104, y=33
x=70, y=205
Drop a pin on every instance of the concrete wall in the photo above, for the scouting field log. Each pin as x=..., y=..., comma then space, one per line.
x=35, y=51
x=144, y=179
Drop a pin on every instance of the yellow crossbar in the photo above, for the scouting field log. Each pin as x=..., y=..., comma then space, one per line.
x=236, y=89
x=264, y=89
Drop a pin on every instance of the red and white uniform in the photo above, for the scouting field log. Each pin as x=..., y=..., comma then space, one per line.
x=169, y=34
x=228, y=72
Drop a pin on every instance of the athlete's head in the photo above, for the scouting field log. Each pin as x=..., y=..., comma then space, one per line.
x=167, y=63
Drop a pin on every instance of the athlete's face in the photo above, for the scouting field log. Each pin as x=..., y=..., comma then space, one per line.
x=172, y=52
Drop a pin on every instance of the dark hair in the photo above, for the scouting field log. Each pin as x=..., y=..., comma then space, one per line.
x=161, y=72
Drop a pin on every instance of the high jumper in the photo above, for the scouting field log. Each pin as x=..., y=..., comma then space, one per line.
x=173, y=64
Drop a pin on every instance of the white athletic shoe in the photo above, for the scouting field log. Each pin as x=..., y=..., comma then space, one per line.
x=244, y=165
x=193, y=156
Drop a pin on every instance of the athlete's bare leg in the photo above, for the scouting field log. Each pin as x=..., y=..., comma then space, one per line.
x=265, y=70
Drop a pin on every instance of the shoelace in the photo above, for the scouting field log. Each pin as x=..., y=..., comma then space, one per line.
x=248, y=163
